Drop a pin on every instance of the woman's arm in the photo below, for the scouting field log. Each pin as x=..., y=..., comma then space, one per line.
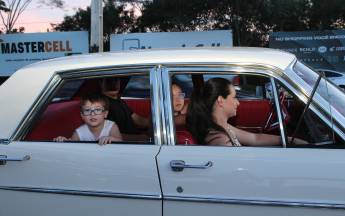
x=253, y=139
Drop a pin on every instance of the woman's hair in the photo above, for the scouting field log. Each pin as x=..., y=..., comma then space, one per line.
x=199, y=118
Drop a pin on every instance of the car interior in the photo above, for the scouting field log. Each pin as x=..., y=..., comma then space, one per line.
x=256, y=113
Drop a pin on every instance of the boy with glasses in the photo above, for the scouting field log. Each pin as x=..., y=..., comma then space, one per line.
x=94, y=109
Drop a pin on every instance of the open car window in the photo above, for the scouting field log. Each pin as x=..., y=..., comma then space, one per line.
x=63, y=114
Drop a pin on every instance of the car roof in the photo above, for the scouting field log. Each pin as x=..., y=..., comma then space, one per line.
x=272, y=57
x=21, y=90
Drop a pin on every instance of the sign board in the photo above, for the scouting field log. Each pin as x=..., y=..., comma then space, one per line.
x=318, y=49
x=19, y=50
x=170, y=39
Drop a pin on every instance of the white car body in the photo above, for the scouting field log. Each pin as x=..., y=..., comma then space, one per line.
x=78, y=178
x=336, y=77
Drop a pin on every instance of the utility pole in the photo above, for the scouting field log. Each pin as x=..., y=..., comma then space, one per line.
x=96, y=40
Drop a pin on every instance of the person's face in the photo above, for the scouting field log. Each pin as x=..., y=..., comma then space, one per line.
x=110, y=86
x=231, y=103
x=94, y=120
x=178, y=103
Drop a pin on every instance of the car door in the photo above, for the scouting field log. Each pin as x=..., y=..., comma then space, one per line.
x=81, y=178
x=218, y=180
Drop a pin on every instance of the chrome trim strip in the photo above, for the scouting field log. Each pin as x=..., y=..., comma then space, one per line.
x=161, y=105
x=168, y=107
x=84, y=193
x=155, y=109
x=279, y=112
x=258, y=202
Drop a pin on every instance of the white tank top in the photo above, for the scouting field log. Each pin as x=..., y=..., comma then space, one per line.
x=85, y=134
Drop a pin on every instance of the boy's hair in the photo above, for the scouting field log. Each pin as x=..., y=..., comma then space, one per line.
x=94, y=97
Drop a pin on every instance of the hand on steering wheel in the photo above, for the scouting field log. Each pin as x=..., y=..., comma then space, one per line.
x=273, y=114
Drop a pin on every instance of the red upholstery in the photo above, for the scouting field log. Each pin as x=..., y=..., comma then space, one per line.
x=140, y=107
x=61, y=119
x=57, y=121
x=184, y=138
x=251, y=114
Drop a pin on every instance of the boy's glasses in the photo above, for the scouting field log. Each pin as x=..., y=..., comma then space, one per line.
x=87, y=112
x=179, y=96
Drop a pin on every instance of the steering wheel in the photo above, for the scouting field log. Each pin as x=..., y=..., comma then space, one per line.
x=273, y=114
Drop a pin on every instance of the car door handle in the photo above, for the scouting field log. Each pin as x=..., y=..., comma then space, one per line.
x=3, y=159
x=179, y=165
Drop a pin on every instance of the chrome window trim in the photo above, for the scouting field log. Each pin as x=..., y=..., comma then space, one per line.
x=240, y=69
x=279, y=112
x=168, y=107
x=162, y=115
x=58, y=79
x=155, y=106
x=258, y=202
x=84, y=193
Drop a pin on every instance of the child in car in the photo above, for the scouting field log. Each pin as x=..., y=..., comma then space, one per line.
x=180, y=109
x=94, y=109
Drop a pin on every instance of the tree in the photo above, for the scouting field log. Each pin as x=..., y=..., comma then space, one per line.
x=251, y=21
x=115, y=20
x=3, y=6
x=17, y=7
x=327, y=15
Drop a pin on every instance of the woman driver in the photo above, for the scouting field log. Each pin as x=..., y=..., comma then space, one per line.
x=207, y=118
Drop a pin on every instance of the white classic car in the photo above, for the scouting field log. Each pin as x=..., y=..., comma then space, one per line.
x=171, y=174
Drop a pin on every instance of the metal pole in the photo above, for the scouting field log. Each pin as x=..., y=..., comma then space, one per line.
x=96, y=39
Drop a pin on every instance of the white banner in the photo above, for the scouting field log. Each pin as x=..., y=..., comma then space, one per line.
x=170, y=39
x=19, y=50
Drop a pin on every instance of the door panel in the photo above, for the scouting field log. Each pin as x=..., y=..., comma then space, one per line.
x=117, y=177
x=263, y=180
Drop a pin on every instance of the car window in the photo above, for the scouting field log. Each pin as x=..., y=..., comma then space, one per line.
x=325, y=89
x=247, y=86
x=68, y=90
x=137, y=87
x=252, y=113
x=332, y=74
x=308, y=126
x=62, y=117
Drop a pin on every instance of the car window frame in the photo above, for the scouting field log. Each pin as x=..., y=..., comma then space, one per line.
x=59, y=79
x=168, y=71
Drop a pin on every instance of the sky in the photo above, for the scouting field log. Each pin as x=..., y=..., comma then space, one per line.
x=38, y=19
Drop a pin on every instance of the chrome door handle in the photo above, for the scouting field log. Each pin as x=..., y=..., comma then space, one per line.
x=179, y=165
x=3, y=159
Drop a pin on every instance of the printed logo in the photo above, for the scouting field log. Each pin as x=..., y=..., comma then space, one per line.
x=332, y=49
x=322, y=49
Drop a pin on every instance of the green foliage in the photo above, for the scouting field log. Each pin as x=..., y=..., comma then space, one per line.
x=250, y=21
x=16, y=31
x=3, y=6
x=115, y=20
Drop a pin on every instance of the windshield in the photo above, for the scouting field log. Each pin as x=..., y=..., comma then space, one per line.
x=325, y=89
